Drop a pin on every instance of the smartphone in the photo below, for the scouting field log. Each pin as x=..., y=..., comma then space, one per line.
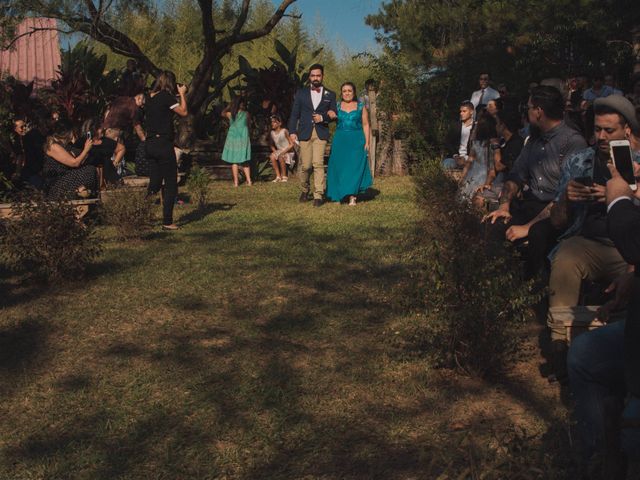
x=89, y=135
x=621, y=156
x=586, y=181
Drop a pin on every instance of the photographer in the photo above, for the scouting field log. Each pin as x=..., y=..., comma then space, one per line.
x=159, y=110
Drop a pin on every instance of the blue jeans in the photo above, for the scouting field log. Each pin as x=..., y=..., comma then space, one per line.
x=596, y=372
x=631, y=435
x=449, y=164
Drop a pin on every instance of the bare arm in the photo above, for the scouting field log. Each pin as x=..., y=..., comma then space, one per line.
x=58, y=153
x=181, y=109
x=140, y=132
x=119, y=153
x=366, y=127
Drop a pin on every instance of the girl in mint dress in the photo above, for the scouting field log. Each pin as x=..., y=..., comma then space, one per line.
x=348, y=172
x=237, y=146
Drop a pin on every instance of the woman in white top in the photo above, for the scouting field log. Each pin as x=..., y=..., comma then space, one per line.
x=281, y=149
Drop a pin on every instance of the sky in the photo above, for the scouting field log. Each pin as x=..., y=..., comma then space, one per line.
x=342, y=21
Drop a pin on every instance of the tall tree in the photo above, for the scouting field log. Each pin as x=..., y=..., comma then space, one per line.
x=95, y=19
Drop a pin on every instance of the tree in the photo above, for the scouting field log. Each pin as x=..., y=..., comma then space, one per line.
x=96, y=19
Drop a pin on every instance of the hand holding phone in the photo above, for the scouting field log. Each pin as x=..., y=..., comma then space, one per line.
x=620, y=151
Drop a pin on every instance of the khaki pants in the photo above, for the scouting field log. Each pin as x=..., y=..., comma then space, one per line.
x=579, y=259
x=312, y=160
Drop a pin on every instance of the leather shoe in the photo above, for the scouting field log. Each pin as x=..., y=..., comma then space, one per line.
x=317, y=202
x=304, y=197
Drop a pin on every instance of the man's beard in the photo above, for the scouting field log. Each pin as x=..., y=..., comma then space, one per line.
x=316, y=83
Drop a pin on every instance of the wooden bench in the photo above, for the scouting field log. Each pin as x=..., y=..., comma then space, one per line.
x=577, y=320
x=81, y=207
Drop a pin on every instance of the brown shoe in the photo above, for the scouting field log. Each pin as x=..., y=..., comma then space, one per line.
x=317, y=202
x=304, y=197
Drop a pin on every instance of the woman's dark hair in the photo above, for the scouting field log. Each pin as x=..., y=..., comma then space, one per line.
x=499, y=103
x=509, y=119
x=277, y=117
x=486, y=127
x=166, y=81
x=63, y=134
x=236, y=103
x=550, y=100
x=350, y=84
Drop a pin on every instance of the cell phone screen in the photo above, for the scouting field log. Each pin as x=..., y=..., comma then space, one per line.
x=624, y=165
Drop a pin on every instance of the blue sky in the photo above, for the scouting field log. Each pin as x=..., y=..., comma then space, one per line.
x=341, y=20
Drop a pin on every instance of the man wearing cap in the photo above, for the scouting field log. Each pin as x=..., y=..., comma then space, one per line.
x=586, y=252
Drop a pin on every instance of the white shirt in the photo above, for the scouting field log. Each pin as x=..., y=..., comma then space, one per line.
x=316, y=97
x=465, y=132
x=489, y=94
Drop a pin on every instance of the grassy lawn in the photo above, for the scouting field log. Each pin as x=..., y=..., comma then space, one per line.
x=254, y=343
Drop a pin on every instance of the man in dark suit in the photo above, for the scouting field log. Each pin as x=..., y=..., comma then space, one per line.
x=313, y=109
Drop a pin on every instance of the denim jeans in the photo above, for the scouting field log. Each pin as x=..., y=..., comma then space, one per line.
x=596, y=372
x=631, y=434
x=449, y=164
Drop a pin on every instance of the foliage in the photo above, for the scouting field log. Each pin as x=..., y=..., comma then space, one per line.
x=46, y=239
x=474, y=298
x=198, y=185
x=82, y=89
x=130, y=211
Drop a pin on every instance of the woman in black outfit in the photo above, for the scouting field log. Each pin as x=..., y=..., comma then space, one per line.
x=159, y=110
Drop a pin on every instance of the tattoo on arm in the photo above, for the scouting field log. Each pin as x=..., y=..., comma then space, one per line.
x=509, y=192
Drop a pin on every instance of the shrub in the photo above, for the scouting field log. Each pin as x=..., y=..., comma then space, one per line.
x=130, y=211
x=198, y=185
x=473, y=298
x=46, y=239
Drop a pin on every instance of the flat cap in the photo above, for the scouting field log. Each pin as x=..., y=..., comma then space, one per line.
x=621, y=105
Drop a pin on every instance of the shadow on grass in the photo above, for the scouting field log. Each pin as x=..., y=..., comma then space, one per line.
x=199, y=213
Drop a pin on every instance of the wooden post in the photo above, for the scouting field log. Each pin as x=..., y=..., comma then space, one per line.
x=373, y=123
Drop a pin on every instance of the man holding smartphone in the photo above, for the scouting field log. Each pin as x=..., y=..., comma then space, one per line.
x=586, y=252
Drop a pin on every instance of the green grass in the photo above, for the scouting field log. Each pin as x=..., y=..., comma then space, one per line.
x=253, y=343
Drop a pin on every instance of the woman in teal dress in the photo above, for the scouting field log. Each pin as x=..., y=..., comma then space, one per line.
x=237, y=146
x=348, y=173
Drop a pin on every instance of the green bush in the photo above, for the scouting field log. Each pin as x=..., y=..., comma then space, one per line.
x=130, y=211
x=46, y=239
x=198, y=184
x=473, y=298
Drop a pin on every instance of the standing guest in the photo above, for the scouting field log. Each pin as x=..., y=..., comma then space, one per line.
x=160, y=108
x=237, y=146
x=477, y=166
x=481, y=97
x=610, y=81
x=459, y=138
x=65, y=172
x=349, y=173
x=281, y=149
x=634, y=96
x=597, y=90
x=313, y=109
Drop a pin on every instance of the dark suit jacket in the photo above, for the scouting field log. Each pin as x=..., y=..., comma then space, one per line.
x=301, y=120
x=624, y=229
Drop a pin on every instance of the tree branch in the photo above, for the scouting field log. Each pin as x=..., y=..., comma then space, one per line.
x=242, y=18
x=33, y=30
x=238, y=37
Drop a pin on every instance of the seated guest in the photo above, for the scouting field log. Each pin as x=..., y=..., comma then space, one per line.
x=506, y=151
x=539, y=168
x=65, y=173
x=106, y=152
x=481, y=97
x=604, y=364
x=459, y=137
x=494, y=106
x=585, y=251
x=476, y=168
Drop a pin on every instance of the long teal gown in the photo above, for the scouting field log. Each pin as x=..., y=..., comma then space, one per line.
x=237, y=146
x=348, y=172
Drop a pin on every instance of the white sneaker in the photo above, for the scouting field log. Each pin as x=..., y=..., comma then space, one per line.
x=284, y=179
x=278, y=179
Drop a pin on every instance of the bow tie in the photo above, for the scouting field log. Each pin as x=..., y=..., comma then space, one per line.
x=316, y=89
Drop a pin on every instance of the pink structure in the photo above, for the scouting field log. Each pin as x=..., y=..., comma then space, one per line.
x=34, y=57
